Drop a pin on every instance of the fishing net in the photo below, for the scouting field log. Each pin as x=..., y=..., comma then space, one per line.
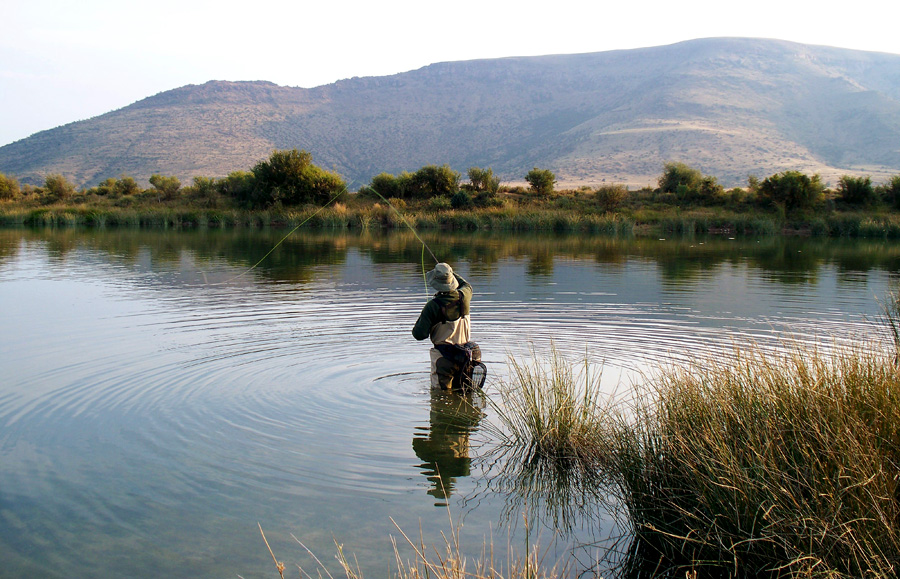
x=474, y=376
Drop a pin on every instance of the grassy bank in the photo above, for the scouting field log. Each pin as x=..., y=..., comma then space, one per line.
x=764, y=466
x=572, y=212
x=371, y=216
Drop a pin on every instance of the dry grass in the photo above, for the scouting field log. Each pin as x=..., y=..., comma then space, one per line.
x=445, y=560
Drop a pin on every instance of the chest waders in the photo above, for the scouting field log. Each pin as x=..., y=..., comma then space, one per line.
x=471, y=372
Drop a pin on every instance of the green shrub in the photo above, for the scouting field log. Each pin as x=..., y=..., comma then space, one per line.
x=792, y=190
x=484, y=199
x=679, y=178
x=856, y=190
x=384, y=185
x=564, y=202
x=58, y=188
x=204, y=190
x=290, y=178
x=9, y=187
x=166, y=187
x=541, y=181
x=431, y=180
x=890, y=191
x=611, y=197
x=461, y=200
x=439, y=203
x=484, y=181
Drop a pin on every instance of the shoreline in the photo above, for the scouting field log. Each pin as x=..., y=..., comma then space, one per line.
x=507, y=219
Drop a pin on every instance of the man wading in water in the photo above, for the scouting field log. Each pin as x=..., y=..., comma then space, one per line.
x=445, y=319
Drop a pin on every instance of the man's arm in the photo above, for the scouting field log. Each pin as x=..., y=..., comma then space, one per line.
x=464, y=286
x=426, y=320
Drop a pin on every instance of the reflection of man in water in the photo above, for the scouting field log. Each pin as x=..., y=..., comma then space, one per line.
x=444, y=444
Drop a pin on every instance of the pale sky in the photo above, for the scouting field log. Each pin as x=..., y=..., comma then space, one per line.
x=67, y=60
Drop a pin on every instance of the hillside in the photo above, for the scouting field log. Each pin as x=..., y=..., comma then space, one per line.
x=730, y=107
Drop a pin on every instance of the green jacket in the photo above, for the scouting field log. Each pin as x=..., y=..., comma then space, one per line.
x=443, y=307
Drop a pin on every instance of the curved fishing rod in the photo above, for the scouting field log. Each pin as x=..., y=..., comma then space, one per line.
x=320, y=209
x=274, y=247
x=405, y=222
x=422, y=241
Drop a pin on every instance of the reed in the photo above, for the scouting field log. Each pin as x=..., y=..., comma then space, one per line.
x=13, y=216
x=764, y=465
x=445, y=560
x=551, y=411
x=750, y=465
x=451, y=563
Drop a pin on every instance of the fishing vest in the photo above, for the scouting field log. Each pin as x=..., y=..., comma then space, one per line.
x=455, y=331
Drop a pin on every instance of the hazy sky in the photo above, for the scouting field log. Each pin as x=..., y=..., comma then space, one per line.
x=68, y=60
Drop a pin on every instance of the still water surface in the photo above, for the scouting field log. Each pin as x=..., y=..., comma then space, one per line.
x=158, y=400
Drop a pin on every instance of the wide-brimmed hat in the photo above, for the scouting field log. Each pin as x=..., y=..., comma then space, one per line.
x=441, y=278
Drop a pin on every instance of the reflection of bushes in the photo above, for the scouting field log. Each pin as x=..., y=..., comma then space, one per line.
x=782, y=259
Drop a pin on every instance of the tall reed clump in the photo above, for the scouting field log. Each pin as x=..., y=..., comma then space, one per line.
x=551, y=410
x=551, y=422
x=757, y=464
x=764, y=465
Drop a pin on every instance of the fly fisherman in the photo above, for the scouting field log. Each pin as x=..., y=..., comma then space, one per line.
x=445, y=319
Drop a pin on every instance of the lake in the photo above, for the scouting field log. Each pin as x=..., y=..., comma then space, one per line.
x=164, y=392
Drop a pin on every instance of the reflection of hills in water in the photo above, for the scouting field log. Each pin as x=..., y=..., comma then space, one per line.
x=216, y=256
x=444, y=444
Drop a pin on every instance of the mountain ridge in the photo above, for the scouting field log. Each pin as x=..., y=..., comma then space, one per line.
x=728, y=106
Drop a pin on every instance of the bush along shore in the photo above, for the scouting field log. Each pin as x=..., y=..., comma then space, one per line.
x=288, y=189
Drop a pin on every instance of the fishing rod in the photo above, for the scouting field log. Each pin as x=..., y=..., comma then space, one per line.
x=274, y=247
x=422, y=241
x=405, y=222
x=319, y=210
